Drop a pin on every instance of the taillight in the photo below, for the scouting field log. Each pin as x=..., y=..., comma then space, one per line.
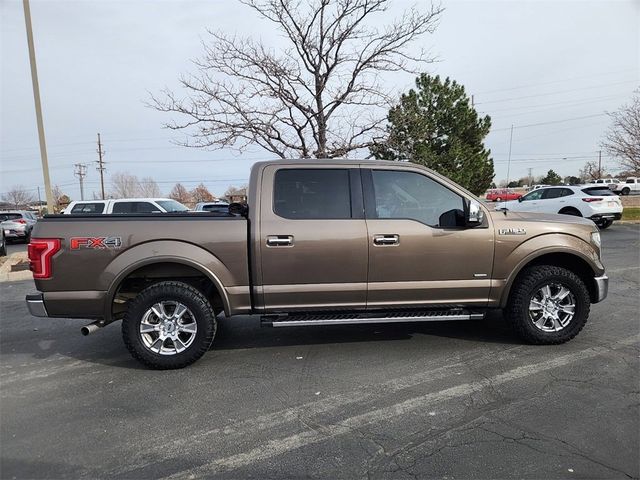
x=21, y=220
x=592, y=199
x=40, y=251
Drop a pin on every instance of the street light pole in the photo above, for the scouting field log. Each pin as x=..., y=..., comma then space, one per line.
x=36, y=99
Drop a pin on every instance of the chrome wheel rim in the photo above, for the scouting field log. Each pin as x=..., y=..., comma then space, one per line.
x=168, y=328
x=552, y=307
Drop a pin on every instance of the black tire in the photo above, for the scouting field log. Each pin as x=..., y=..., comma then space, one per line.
x=3, y=249
x=570, y=211
x=525, y=287
x=604, y=224
x=170, y=291
x=626, y=191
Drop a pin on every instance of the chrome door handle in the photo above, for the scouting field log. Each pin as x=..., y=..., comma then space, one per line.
x=383, y=240
x=280, y=241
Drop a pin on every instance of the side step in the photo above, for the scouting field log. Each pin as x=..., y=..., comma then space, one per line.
x=345, y=318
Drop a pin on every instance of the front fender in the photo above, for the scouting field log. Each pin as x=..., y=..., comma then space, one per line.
x=509, y=262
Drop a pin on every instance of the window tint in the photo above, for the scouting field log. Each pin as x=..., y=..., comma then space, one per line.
x=88, y=208
x=134, y=207
x=312, y=193
x=9, y=216
x=557, y=193
x=535, y=195
x=598, y=191
x=631, y=180
x=414, y=196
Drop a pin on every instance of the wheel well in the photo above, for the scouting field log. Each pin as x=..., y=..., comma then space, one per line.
x=147, y=275
x=571, y=262
x=570, y=209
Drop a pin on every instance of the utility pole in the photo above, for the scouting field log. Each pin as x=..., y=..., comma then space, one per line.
x=80, y=172
x=36, y=99
x=599, y=164
x=472, y=103
x=101, y=168
x=509, y=161
x=530, y=177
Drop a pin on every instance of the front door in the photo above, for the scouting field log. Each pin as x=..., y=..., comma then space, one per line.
x=313, y=238
x=420, y=251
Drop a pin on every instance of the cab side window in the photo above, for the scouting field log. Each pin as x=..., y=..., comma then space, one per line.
x=413, y=196
x=312, y=193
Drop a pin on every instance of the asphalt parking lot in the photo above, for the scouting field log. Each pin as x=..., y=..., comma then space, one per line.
x=446, y=400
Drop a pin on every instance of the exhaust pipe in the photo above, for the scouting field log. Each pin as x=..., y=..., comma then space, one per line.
x=91, y=328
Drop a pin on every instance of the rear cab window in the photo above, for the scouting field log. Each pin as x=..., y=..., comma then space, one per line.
x=134, y=207
x=88, y=208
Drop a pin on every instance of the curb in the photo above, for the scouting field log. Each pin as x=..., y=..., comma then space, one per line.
x=6, y=275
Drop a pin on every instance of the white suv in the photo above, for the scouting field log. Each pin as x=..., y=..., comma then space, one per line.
x=125, y=205
x=596, y=203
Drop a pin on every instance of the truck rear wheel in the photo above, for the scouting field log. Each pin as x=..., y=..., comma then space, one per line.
x=548, y=305
x=169, y=325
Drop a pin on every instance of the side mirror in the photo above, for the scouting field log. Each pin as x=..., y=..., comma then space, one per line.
x=239, y=209
x=475, y=214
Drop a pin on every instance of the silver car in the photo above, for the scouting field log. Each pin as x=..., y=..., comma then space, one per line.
x=17, y=224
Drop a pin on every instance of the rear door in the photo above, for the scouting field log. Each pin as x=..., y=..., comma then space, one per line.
x=420, y=251
x=313, y=238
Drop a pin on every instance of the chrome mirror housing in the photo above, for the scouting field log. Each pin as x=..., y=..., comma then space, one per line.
x=475, y=214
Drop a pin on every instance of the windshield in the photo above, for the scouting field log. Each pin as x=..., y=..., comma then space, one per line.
x=172, y=206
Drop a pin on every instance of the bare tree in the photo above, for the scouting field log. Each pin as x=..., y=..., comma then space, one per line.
x=60, y=199
x=623, y=138
x=124, y=185
x=149, y=188
x=18, y=196
x=592, y=171
x=180, y=194
x=320, y=96
x=202, y=194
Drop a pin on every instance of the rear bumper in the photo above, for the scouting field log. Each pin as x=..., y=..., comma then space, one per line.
x=35, y=304
x=606, y=216
x=601, y=288
x=76, y=304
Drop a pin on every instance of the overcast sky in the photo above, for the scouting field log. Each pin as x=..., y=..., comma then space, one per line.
x=550, y=68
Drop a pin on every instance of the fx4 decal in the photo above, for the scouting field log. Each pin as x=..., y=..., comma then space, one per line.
x=100, y=243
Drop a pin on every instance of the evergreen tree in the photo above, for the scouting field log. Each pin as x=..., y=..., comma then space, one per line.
x=436, y=126
x=552, y=178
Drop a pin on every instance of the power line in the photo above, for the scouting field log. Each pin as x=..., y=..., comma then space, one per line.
x=80, y=172
x=550, y=123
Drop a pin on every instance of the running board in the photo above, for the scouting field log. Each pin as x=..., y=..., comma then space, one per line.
x=310, y=319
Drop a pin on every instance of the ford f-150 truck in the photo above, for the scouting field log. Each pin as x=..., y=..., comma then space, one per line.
x=320, y=243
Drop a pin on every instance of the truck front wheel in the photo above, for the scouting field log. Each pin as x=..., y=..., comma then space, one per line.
x=548, y=305
x=169, y=325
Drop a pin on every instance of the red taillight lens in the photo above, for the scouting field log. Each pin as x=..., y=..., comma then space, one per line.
x=21, y=220
x=40, y=251
x=592, y=199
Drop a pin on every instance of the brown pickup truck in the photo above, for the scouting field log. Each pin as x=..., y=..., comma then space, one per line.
x=320, y=243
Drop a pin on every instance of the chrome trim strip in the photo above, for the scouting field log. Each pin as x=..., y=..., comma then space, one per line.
x=351, y=321
x=602, y=288
x=36, y=307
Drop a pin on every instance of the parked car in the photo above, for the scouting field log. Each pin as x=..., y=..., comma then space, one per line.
x=17, y=224
x=220, y=208
x=595, y=203
x=502, y=194
x=604, y=181
x=328, y=242
x=3, y=244
x=631, y=185
x=125, y=205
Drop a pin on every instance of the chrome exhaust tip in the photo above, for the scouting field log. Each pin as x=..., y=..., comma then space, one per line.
x=91, y=328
